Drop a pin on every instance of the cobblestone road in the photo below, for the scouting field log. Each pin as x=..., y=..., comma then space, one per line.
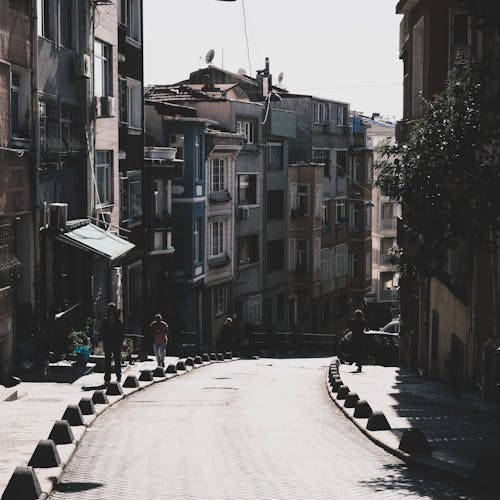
x=263, y=429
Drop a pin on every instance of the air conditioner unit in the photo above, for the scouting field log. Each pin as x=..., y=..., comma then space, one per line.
x=244, y=213
x=58, y=215
x=107, y=107
x=82, y=66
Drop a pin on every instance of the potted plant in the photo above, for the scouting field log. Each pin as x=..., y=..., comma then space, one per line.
x=80, y=344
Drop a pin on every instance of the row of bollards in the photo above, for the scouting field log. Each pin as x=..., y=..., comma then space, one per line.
x=412, y=441
x=24, y=483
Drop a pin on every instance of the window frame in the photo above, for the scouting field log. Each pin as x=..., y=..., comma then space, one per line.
x=134, y=177
x=252, y=242
x=134, y=96
x=218, y=182
x=303, y=206
x=340, y=116
x=108, y=177
x=320, y=113
x=269, y=148
x=247, y=129
x=217, y=238
x=197, y=240
x=104, y=62
x=340, y=210
x=220, y=295
x=255, y=201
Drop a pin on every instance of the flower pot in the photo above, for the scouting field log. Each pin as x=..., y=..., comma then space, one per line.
x=82, y=355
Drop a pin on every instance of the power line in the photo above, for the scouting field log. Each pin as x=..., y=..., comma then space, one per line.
x=399, y=84
x=246, y=35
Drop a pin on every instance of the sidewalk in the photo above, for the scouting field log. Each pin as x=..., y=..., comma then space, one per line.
x=458, y=427
x=25, y=421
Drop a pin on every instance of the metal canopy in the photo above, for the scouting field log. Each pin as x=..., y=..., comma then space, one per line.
x=94, y=239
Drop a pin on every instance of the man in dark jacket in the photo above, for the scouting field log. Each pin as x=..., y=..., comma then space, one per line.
x=358, y=326
x=111, y=333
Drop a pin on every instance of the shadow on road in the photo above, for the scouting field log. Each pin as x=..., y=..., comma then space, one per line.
x=75, y=487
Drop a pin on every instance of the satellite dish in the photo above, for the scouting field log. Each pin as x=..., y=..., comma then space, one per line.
x=210, y=56
x=280, y=77
x=242, y=72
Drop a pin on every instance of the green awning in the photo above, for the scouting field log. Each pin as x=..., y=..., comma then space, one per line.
x=94, y=239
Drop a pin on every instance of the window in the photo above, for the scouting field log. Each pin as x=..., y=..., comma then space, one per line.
x=15, y=105
x=123, y=97
x=70, y=128
x=275, y=255
x=417, y=68
x=368, y=266
x=45, y=19
x=317, y=254
x=368, y=222
x=247, y=189
x=340, y=116
x=339, y=211
x=134, y=104
x=66, y=23
x=49, y=127
x=198, y=158
x=135, y=195
x=134, y=21
x=387, y=211
x=216, y=238
x=275, y=156
x=248, y=249
x=356, y=169
x=221, y=299
x=197, y=241
x=341, y=254
x=387, y=245
x=369, y=170
x=301, y=256
x=389, y=280
x=247, y=129
x=341, y=161
x=320, y=113
x=217, y=181
x=322, y=156
x=356, y=216
x=103, y=177
x=325, y=212
x=177, y=141
x=461, y=32
x=102, y=68
x=355, y=266
x=302, y=199
x=275, y=204
x=254, y=309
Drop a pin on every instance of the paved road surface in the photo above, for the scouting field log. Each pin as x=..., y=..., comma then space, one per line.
x=259, y=429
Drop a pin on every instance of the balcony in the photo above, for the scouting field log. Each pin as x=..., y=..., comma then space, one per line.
x=219, y=261
x=390, y=295
x=219, y=196
x=162, y=242
x=386, y=259
x=388, y=224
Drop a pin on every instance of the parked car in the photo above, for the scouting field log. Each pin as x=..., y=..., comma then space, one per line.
x=380, y=348
x=392, y=326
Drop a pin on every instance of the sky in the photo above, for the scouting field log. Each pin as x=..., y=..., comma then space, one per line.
x=336, y=49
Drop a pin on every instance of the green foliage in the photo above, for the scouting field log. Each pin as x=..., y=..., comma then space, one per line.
x=78, y=338
x=445, y=173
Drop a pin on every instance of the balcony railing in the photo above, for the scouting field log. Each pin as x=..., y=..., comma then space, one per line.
x=388, y=224
x=219, y=196
x=392, y=295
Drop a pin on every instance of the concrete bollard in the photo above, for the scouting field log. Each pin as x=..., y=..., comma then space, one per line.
x=414, y=441
x=61, y=432
x=86, y=406
x=171, y=368
x=23, y=484
x=146, y=376
x=336, y=385
x=197, y=360
x=73, y=415
x=228, y=355
x=114, y=389
x=205, y=357
x=342, y=392
x=378, y=422
x=131, y=382
x=180, y=365
x=45, y=455
x=220, y=356
x=362, y=409
x=189, y=361
x=213, y=356
x=351, y=400
x=159, y=372
x=100, y=398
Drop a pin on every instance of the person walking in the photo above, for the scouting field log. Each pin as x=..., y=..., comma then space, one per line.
x=159, y=332
x=111, y=333
x=358, y=326
x=226, y=335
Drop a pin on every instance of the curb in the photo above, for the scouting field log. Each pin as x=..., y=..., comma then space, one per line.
x=426, y=462
x=45, y=478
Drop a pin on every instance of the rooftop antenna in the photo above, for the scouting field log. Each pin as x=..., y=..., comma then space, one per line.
x=210, y=56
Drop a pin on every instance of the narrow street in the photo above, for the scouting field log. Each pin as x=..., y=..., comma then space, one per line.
x=263, y=429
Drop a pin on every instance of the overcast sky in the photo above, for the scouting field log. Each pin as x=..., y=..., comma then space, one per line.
x=339, y=49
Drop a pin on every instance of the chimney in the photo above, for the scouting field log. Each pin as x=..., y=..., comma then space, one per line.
x=265, y=79
x=375, y=116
